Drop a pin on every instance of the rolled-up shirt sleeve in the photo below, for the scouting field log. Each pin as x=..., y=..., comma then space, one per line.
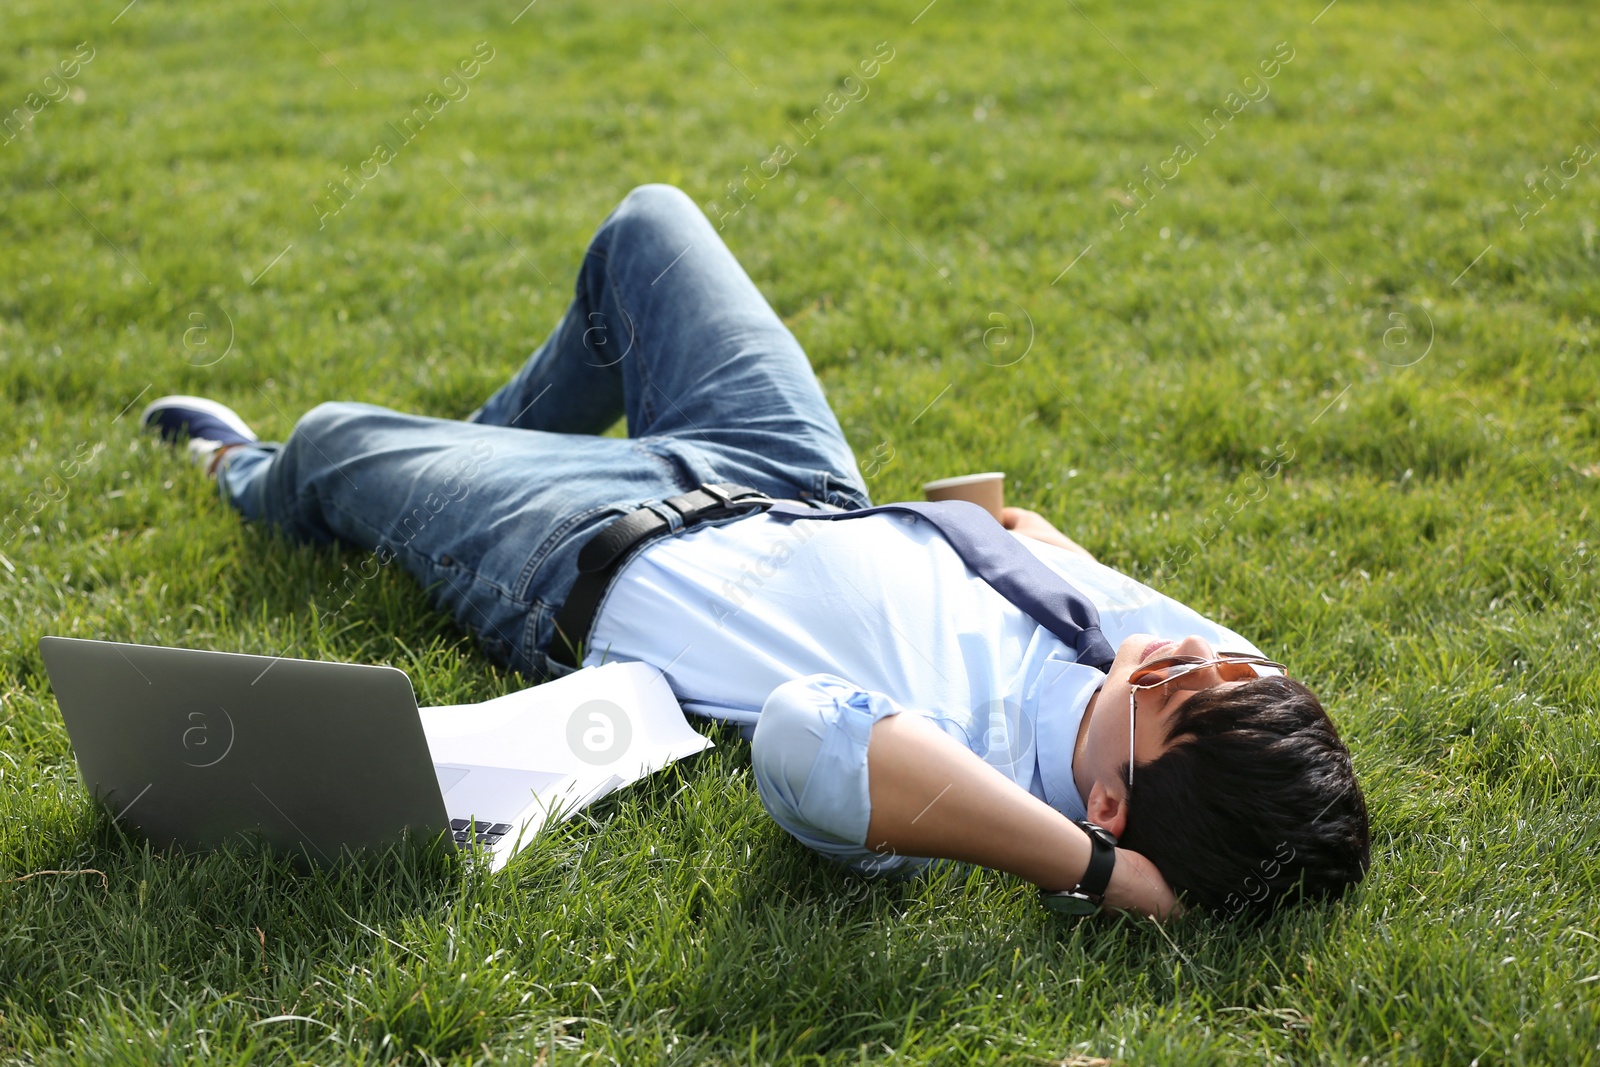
x=809, y=756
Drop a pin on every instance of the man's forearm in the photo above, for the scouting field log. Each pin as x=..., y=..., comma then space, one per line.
x=931, y=796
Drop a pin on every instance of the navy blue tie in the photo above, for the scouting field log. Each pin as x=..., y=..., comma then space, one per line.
x=1011, y=570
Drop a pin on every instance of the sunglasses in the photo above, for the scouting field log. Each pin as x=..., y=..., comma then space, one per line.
x=1230, y=667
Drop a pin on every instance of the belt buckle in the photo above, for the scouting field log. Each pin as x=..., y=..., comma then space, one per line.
x=728, y=500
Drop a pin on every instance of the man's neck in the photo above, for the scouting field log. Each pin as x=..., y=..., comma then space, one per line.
x=1082, y=777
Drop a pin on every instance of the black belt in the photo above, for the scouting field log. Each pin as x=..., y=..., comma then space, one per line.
x=602, y=555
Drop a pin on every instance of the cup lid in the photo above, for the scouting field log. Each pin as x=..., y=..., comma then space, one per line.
x=964, y=479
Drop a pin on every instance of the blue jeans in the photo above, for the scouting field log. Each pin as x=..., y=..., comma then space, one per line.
x=666, y=329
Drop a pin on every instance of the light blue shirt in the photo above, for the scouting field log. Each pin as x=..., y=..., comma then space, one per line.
x=729, y=613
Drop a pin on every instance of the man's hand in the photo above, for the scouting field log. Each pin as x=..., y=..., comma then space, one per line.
x=1034, y=525
x=1136, y=885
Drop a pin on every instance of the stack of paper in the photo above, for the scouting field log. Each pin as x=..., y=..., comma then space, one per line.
x=582, y=736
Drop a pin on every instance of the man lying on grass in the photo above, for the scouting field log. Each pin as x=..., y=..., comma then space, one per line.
x=902, y=708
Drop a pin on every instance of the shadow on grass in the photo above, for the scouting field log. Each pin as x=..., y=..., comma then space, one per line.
x=330, y=593
x=235, y=920
x=814, y=942
x=649, y=912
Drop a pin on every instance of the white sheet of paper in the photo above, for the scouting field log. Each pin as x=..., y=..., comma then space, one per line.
x=599, y=729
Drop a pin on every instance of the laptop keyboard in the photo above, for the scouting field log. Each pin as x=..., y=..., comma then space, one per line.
x=478, y=831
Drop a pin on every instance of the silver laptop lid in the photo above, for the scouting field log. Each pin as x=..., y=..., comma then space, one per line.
x=195, y=748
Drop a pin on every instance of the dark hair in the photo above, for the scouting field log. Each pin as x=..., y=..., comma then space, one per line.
x=1254, y=803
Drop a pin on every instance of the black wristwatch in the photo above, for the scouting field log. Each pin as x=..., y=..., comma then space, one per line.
x=1085, y=898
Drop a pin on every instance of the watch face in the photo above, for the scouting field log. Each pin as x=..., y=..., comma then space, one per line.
x=1066, y=902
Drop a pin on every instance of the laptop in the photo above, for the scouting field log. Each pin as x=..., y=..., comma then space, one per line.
x=196, y=748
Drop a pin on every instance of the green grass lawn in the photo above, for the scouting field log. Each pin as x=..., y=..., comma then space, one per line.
x=1330, y=377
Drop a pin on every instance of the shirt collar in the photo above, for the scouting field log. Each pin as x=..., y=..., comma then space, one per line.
x=1057, y=697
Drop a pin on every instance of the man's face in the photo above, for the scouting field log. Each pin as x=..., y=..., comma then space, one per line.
x=1106, y=749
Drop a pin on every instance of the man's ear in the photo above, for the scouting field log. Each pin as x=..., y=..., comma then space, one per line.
x=1108, y=809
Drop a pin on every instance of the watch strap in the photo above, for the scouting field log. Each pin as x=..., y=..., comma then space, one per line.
x=1102, y=859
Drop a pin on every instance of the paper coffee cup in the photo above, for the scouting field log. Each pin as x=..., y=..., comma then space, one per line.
x=987, y=490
